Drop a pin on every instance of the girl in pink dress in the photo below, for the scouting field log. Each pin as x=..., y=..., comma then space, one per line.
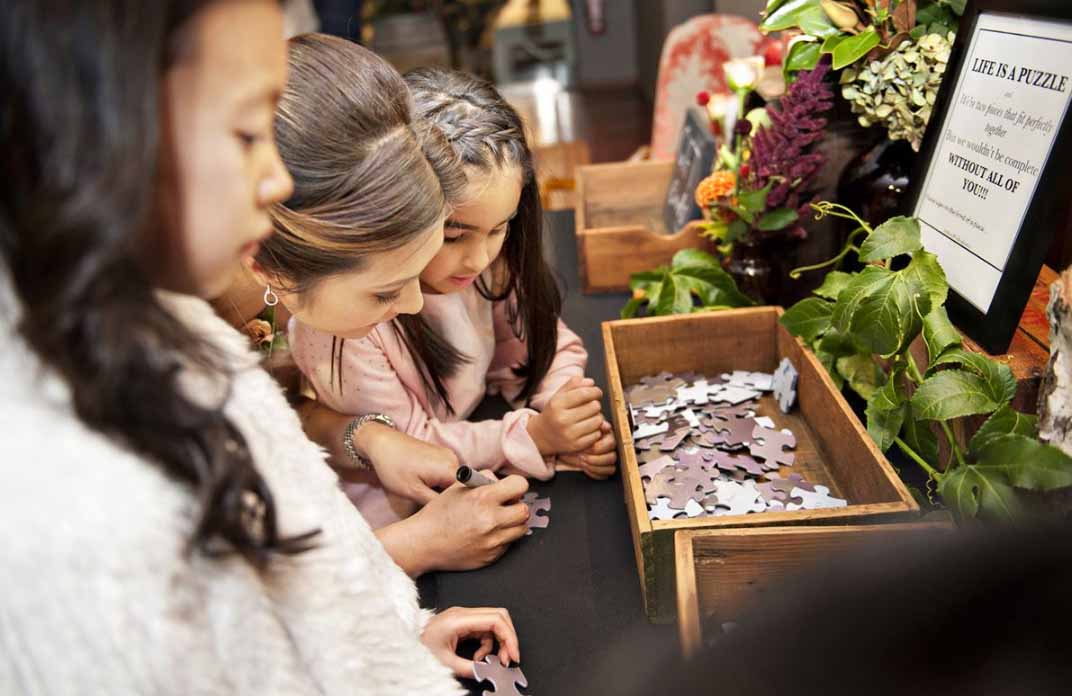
x=490, y=322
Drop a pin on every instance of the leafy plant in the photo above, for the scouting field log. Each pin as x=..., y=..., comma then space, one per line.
x=860, y=326
x=694, y=282
x=850, y=30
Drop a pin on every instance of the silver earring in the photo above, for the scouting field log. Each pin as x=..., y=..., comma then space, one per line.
x=270, y=298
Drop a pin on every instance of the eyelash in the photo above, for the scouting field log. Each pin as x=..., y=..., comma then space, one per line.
x=388, y=299
x=501, y=229
x=248, y=139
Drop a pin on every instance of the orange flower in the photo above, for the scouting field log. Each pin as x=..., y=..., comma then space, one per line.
x=716, y=186
x=259, y=331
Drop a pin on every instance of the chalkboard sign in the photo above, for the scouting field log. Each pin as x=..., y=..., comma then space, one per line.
x=695, y=154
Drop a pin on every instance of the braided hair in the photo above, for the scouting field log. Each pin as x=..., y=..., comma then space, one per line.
x=487, y=134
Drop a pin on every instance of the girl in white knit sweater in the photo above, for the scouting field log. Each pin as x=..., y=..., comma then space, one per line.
x=168, y=527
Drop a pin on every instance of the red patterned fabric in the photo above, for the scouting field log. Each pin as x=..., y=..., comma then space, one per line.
x=692, y=61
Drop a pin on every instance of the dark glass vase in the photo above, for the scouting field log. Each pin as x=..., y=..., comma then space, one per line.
x=875, y=182
x=760, y=267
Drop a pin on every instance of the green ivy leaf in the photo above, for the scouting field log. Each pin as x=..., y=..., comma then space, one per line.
x=918, y=32
x=808, y=318
x=1026, y=462
x=919, y=436
x=1004, y=421
x=631, y=308
x=957, y=6
x=939, y=333
x=886, y=411
x=694, y=257
x=670, y=297
x=840, y=345
x=864, y=283
x=804, y=55
x=645, y=279
x=862, y=374
x=854, y=48
x=833, y=284
x=925, y=271
x=998, y=378
x=828, y=361
x=971, y=492
x=889, y=317
x=754, y=202
x=896, y=236
x=777, y=219
x=952, y=394
x=832, y=42
x=935, y=13
x=808, y=15
x=712, y=285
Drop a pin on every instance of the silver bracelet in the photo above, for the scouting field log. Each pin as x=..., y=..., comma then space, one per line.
x=359, y=461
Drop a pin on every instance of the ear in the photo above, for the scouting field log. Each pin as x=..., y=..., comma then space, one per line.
x=257, y=271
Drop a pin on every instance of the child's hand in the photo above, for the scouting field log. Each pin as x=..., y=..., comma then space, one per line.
x=448, y=628
x=571, y=421
x=598, y=461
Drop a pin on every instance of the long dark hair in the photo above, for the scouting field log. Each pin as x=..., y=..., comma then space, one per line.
x=487, y=133
x=79, y=138
x=367, y=177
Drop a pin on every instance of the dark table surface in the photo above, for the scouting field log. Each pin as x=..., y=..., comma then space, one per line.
x=572, y=588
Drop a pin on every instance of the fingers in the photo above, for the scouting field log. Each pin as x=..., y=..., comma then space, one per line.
x=600, y=461
x=584, y=442
x=515, y=515
x=494, y=620
x=571, y=460
x=589, y=427
x=585, y=411
x=422, y=493
x=576, y=397
x=510, y=488
x=486, y=644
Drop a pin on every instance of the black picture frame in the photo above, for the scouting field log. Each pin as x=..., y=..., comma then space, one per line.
x=1046, y=213
x=695, y=154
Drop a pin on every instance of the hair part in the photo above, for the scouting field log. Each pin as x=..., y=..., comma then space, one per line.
x=84, y=136
x=367, y=178
x=487, y=134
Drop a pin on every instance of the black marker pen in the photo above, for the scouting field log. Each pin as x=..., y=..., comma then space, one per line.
x=467, y=476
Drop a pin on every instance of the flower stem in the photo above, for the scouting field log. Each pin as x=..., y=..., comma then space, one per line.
x=931, y=471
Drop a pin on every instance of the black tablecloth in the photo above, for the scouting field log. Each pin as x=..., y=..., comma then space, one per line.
x=572, y=588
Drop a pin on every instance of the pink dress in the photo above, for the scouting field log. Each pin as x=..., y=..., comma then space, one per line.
x=380, y=376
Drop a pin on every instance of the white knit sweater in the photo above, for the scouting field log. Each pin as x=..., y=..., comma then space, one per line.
x=98, y=596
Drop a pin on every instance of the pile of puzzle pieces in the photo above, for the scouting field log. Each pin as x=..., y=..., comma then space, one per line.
x=704, y=451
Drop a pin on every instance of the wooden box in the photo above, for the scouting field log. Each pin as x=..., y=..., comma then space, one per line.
x=833, y=448
x=619, y=223
x=721, y=571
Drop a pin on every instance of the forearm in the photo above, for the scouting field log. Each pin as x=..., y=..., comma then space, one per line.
x=405, y=545
x=327, y=428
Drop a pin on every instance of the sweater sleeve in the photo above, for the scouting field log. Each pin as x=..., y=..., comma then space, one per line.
x=372, y=384
x=510, y=351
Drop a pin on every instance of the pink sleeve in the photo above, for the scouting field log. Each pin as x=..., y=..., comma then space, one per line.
x=371, y=384
x=569, y=361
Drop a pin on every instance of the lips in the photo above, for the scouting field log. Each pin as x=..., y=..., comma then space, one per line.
x=463, y=281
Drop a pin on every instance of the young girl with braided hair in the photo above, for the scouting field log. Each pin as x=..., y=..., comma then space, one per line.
x=490, y=322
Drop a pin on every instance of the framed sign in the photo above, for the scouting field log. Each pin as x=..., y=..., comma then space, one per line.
x=995, y=174
x=695, y=155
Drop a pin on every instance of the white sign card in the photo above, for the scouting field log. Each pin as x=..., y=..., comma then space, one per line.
x=1007, y=108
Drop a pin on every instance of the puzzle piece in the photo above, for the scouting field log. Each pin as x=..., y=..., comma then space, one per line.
x=765, y=422
x=706, y=439
x=736, y=395
x=692, y=458
x=737, y=461
x=690, y=418
x=536, y=504
x=693, y=394
x=815, y=500
x=750, y=380
x=736, y=432
x=785, y=385
x=739, y=498
x=725, y=411
x=643, y=395
x=679, y=485
x=770, y=445
x=661, y=510
x=649, y=469
x=504, y=679
x=671, y=440
x=650, y=430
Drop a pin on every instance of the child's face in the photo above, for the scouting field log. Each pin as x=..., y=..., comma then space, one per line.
x=352, y=304
x=475, y=232
x=220, y=158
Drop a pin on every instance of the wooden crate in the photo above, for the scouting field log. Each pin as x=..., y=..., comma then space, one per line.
x=720, y=571
x=619, y=223
x=833, y=448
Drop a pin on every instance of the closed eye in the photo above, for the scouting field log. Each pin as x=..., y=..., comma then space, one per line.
x=388, y=298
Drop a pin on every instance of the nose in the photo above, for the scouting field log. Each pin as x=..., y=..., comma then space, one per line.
x=477, y=258
x=412, y=300
x=277, y=185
